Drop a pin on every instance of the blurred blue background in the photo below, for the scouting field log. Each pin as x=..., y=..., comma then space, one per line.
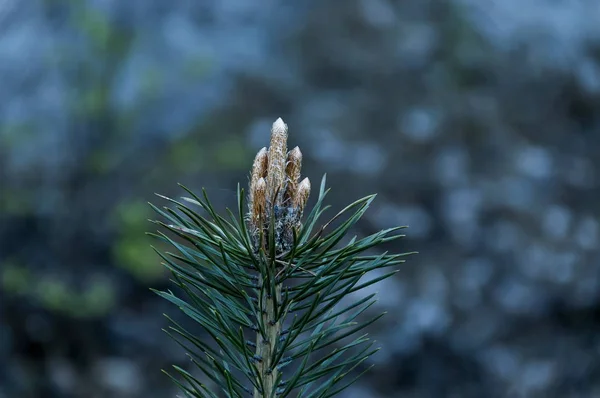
x=476, y=121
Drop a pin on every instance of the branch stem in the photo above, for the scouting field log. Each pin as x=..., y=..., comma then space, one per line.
x=268, y=371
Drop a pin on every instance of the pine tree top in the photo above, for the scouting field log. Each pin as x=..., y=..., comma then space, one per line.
x=267, y=273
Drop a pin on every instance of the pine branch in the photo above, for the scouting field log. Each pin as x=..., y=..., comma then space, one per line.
x=266, y=273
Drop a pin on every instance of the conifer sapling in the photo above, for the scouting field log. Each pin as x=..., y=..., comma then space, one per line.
x=270, y=294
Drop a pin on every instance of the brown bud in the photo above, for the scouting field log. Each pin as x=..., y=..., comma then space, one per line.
x=259, y=167
x=292, y=171
x=302, y=194
x=259, y=170
x=277, y=158
x=259, y=203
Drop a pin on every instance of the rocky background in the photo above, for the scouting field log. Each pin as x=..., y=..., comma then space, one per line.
x=476, y=121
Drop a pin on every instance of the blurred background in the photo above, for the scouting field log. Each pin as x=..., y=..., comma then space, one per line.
x=476, y=121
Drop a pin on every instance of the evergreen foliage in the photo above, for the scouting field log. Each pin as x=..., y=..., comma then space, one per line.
x=271, y=292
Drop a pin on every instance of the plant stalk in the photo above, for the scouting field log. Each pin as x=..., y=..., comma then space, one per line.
x=267, y=371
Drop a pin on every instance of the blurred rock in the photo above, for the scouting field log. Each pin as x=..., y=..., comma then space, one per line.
x=119, y=376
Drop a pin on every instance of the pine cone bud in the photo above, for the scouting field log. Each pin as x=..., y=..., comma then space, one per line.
x=302, y=194
x=277, y=159
x=259, y=202
x=292, y=170
x=259, y=170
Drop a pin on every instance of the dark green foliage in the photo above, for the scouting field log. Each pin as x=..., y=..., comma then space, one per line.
x=214, y=265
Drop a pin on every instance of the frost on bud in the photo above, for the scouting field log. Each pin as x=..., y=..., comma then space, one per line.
x=292, y=171
x=277, y=158
x=259, y=167
x=259, y=171
x=302, y=194
x=260, y=200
